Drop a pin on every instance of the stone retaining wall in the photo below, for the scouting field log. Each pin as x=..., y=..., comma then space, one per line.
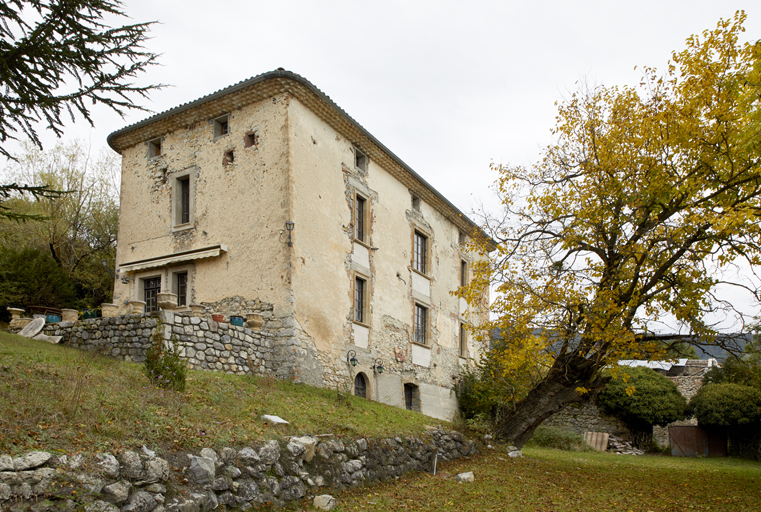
x=275, y=472
x=203, y=343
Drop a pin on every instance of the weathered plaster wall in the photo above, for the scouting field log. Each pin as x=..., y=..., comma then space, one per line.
x=326, y=260
x=302, y=170
x=241, y=205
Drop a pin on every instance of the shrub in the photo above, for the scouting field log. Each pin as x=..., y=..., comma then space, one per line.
x=732, y=406
x=553, y=437
x=30, y=277
x=655, y=400
x=163, y=365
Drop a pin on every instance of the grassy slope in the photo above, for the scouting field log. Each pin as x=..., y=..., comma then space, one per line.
x=56, y=397
x=552, y=480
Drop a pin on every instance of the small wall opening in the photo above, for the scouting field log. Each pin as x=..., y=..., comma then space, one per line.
x=229, y=158
x=412, y=397
x=250, y=139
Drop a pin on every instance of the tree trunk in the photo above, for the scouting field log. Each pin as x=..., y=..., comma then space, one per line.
x=516, y=425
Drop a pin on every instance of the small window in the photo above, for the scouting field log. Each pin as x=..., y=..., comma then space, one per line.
x=360, y=385
x=182, y=201
x=184, y=184
x=421, y=324
x=181, y=288
x=412, y=397
x=463, y=273
x=360, y=160
x=154, y=148
x=250, y=139
x=222, y=126
x=462, y=238
x=415, y=202
x=420, y=252
x=359, y=217
x=463, y=341
x=151, y=288
x=229, y=158
x=360, y=300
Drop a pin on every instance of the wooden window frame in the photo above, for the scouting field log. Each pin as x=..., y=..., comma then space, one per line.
x=361, y=316
x=421, y=258
x=151, y=303
x=360, y=160
x=361, y=216
x=154, y=148
x=463, y=341
x=183, y=200
x=221, y=126
x=177, y=287
x=421, y=313
x=464, y=266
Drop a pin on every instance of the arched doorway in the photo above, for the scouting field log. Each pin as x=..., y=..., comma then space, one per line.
x=360, y=385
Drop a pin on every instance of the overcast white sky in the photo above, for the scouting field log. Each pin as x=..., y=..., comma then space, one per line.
x=449, y=86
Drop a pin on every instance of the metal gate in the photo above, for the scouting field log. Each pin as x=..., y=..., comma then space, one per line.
x=692, y=441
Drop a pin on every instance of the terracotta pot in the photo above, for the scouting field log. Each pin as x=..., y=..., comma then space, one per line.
x=217, y=317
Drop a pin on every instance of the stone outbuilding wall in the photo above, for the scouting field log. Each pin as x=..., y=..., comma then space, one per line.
x=687, y=375
x=275, y=472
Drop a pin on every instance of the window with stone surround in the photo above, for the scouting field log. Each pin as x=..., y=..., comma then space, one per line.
x=151, y=288
x=420, y=252
x=182, y=200
x=222, y=126
x=421, y=324
x=360, y=218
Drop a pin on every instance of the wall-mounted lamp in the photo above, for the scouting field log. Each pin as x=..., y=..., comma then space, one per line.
x=378, y=366
x=289, y=225
x=351, y=358
x=127, y=279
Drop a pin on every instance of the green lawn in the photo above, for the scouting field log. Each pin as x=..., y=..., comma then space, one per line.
x=56, y=396
x=552, y=480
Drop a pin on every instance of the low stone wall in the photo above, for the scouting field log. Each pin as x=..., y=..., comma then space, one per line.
x=203, y=343
x=586, y=417
x=275, y=472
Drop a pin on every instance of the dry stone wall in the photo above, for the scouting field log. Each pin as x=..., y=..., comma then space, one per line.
x=274, y=472
x=203, y=343
x=586, y=417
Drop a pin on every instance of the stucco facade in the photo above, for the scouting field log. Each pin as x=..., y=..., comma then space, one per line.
x=208, y=190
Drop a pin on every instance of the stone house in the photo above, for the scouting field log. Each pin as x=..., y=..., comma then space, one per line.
x=267, y=197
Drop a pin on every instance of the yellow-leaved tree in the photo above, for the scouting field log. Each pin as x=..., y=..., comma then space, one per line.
x=630, y=215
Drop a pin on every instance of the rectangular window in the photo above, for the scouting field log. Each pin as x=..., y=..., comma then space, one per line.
x=151, y=288
x=463, y=273
x=463, y=341
x=154, y=148
x=359, y=217
x=181, y=288
x=360, y=160
x=415, y=202
x=360, y=296
x=184, y=184
x=221, y=126
x=421, y=324
x=250, y=139
x=420, y=250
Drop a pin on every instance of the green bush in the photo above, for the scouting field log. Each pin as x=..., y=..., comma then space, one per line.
x=553, y=437
x=30, y=277
x=163, y=365
x=655, y=401
x=732, y=406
